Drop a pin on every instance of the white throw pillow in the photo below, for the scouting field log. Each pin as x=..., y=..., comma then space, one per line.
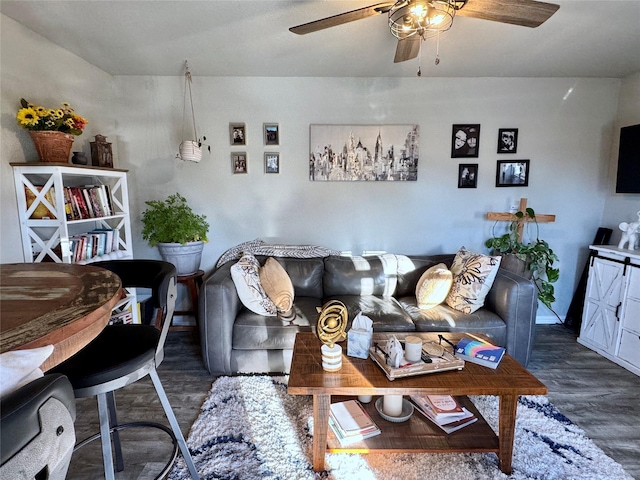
x=246, y=278
x=277, y=284
x=473, y=275
x=433, y=286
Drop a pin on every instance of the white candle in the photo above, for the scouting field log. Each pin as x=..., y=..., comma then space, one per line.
x=392, y=405
x=364, y=398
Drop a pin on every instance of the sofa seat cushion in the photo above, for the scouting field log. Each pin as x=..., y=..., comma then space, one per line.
x=443, y=318
x=385, y=312
x=257, y=332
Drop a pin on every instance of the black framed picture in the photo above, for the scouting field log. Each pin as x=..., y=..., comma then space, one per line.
x=239, y=162
x=468, y=175
x=271, y=162
x=512, y=173
x=465, y=141
x=271, y=134
x=237, y=134
x=507, y=140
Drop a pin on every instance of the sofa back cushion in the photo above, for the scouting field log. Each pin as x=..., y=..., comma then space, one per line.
x=305, y=275
x=375, y=275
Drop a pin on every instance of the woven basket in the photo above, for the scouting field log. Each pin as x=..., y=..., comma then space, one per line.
x=52, y=146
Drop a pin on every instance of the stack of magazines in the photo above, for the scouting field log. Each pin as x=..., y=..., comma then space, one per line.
x=444, y=411
x=351, y=423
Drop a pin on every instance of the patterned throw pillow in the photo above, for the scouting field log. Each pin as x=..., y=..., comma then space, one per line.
x=473, y=275
x=246, y=278
x=433, y=286
x=277, y=284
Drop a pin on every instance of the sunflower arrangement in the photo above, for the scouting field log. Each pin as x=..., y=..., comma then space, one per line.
x=64, y=119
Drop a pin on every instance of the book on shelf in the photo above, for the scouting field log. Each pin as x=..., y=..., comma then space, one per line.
x=441, y=407
x=346, y=440
x=90, y=201
x=447, y=424
x=351, y=423
x=41, y=210
x=477, y=351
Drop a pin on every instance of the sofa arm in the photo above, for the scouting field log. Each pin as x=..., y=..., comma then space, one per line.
x=219, y=305
x=515, y=300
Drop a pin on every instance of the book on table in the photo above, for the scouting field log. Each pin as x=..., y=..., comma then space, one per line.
x=351, y=423
x=477, y=351
x=449, y=421
x=442, y=407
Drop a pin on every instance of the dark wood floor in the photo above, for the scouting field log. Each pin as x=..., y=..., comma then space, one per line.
x=594, y=393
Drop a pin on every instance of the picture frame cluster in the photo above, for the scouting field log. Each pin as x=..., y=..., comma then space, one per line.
x=238, y=138
x=465, y=143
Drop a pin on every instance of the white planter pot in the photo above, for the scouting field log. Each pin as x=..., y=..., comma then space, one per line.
x=186, y=258
x=190, y=151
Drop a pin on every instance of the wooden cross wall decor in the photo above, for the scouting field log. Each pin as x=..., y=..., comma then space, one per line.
x=510, y=217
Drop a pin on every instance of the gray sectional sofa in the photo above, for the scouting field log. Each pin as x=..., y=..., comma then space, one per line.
x=234, y=339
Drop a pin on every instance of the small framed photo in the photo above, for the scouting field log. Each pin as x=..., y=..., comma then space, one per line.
x=239, y=162
x=465, y=141
x=237, y=134
x=271, y=134
x=507, y=140
x=468, y=175
x=271, y=162
x=512, y=173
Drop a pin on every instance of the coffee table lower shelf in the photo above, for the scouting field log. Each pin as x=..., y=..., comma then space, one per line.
x=419, y=435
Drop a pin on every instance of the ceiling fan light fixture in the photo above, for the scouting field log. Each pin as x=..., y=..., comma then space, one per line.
x=426, y=18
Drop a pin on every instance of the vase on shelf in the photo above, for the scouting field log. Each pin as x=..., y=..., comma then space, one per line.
x=79, y=158
x=52, y=146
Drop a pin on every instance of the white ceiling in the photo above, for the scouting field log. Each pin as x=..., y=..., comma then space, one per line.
x=251, y=38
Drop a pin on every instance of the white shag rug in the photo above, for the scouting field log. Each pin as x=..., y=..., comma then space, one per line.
x=250, y=428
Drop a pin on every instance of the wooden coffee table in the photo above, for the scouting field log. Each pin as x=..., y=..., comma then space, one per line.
x=364, y=377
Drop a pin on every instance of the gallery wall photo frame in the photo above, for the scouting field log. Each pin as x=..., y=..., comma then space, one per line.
x=239, y=162
x=468, y=175
x=465, y=140
x=271, y=133
x=237, y=134
x=512, y=173
x=507, y=140
x=271, y=162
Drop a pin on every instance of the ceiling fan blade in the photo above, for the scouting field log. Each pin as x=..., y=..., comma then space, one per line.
x=341, y=18
x=407, y=49
x=527, y=13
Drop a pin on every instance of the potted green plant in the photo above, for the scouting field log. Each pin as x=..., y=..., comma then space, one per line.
x=537, y=257
x=177, y=231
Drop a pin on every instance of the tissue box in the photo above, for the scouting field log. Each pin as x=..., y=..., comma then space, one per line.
x=359, y=342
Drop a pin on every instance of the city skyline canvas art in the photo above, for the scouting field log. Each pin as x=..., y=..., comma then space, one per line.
x=363, y=152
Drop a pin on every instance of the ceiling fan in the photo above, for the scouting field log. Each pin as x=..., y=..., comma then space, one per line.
x=412, y=21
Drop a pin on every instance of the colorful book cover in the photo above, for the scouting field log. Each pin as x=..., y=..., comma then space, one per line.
x=479, y=352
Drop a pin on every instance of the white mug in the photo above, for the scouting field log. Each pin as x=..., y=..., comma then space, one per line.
x=412, y=348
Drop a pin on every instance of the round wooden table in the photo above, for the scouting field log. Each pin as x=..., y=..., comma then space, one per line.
x=56, y=304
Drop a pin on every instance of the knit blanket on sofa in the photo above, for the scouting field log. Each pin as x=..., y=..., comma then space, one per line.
x=260, y=247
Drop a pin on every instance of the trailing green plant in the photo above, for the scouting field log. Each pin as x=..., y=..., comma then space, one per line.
x=173, y=221
x=538, y=256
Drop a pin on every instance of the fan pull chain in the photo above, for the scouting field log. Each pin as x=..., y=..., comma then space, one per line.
x=420, y=58
x=437, y=48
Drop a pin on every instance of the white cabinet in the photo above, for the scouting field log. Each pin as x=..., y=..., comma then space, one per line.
x=50, y=230
x=611, y=315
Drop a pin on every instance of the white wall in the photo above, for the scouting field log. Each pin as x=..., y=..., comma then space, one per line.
x=566, y=127
x=45, y=74
x=622, y=207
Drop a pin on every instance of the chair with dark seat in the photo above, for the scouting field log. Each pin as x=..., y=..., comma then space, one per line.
x=123, y=354
x=36, y=429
